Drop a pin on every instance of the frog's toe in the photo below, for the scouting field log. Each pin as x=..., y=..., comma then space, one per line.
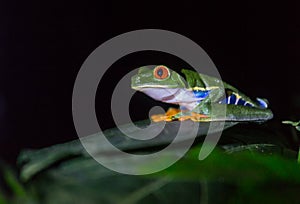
x=158, y=118
x=162, y=117
x=172, y=111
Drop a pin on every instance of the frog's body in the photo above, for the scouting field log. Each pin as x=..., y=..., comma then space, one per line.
x=196, y=96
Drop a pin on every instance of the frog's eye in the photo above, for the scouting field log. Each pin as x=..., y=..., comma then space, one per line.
x=161, y=72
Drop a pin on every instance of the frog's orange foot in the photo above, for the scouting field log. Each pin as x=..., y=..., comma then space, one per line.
x=168, y=116
x=172, y=112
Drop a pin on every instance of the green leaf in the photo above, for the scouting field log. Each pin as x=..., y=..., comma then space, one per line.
x=239, y=167
x=250, y=159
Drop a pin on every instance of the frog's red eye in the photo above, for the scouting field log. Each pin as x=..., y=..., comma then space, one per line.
x=161, y=72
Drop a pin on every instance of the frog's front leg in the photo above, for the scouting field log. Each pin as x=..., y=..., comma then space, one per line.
x=177, y=114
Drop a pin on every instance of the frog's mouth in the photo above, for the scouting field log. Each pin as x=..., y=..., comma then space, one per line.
x=142, y=88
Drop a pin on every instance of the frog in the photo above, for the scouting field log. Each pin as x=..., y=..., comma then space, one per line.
x=196, y=95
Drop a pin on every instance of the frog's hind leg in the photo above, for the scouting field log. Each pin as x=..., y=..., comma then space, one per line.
x=189, y=115
x=198, y=117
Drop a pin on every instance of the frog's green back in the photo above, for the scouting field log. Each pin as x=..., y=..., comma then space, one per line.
x=195, y=79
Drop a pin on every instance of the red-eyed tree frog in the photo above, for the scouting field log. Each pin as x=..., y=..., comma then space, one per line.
x=195, y=95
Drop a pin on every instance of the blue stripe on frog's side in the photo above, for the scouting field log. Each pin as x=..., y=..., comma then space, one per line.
x=201, y=94
x=234, y=98
x=262, y=103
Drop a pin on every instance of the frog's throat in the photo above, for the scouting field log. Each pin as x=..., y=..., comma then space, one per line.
x=178, y=96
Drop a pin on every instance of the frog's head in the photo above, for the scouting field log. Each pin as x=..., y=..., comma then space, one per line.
x=156, y=77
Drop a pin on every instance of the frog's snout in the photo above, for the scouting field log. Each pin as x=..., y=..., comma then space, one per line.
x=135, y=80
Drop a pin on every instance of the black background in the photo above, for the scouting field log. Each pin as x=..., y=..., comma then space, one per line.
x=254, y=45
